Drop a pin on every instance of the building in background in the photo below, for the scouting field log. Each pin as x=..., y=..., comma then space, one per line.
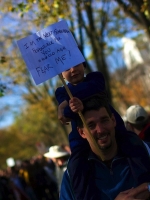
x=131, y=54
x=136, y=54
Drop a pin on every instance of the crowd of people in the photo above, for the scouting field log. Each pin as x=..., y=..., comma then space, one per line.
x=35, y=179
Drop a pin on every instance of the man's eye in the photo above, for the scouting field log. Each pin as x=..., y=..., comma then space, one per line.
x=105, y=120
x=91, y=126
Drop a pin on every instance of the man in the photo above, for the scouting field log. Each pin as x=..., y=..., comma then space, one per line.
x=138, y=121
x=60, y=158
x=122, y=166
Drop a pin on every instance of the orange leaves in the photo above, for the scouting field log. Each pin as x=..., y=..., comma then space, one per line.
x=125, y=94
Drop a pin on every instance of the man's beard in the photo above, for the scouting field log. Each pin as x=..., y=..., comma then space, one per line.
x=103, y=148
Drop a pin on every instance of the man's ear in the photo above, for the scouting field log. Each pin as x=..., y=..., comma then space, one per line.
x=81, y=132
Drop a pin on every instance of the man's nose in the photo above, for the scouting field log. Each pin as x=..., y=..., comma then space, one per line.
x=99, y=128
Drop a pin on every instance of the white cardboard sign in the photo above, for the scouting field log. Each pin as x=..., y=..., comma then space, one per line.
x=50, y=51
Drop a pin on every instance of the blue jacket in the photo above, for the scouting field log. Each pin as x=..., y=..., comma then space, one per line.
x=129, y=168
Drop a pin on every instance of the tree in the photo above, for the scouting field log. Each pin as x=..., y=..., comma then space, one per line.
x=138, y=11
x=13, y=145
x=43, y=117
x=91, y=20
x=95, y=24
x=127, y=93
x=35, y=124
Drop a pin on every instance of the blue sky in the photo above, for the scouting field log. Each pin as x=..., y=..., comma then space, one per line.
x=13, y=102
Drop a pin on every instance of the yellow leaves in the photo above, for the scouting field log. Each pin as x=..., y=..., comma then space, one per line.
x=45, y=105
x=146, y=8
x=32, y=1
x=45, y=6
x=56, y=5
x=125, y=94
x=10, y=8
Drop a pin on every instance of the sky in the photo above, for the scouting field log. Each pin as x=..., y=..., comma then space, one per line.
x=13, y=102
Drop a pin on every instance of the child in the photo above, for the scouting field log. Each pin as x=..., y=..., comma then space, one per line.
x=80, y=87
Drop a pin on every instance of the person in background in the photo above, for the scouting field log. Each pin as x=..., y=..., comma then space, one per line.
x=138, y=121
x=123, y=164
x=24, y=174
x=60, y=158
x=6, y=188
x=66, y=147
x=17, y=185
x=43, y=184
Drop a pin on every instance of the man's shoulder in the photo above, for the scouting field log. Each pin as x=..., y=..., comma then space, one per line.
x=79, y=160
x=147, y=145
x=66, y=191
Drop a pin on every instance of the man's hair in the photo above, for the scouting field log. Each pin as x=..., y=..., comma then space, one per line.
x=94, y=102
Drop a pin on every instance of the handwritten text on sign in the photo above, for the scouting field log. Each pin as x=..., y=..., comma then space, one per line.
x=50, y=51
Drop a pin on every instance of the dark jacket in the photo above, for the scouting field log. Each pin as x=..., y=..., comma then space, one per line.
x=131, y=168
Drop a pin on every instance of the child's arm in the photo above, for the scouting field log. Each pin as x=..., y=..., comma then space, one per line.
x=61, y=116
x=63, y=108
x=94, y=84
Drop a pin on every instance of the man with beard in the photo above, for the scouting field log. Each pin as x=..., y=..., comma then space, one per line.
x=123, y=171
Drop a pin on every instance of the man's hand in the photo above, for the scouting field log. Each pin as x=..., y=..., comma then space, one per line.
x=139, y=193
x=75, y=104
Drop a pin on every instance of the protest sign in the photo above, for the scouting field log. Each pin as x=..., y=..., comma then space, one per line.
x=50, y=51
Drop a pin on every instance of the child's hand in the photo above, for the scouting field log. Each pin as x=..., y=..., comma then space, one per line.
x=76, y=105
x=61, y=116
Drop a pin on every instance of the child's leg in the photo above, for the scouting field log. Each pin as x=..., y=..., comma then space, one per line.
x=75, y=140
